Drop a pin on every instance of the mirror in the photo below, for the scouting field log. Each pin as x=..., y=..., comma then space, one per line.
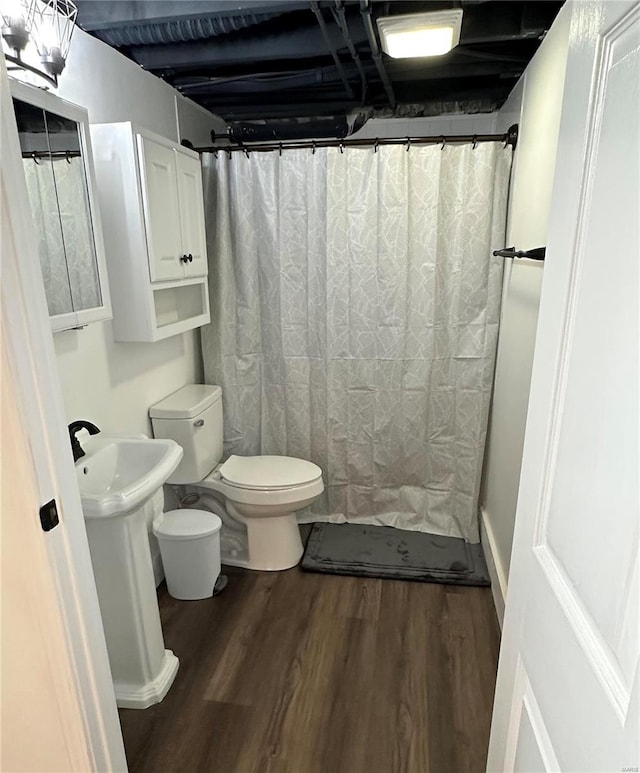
x=56, y=179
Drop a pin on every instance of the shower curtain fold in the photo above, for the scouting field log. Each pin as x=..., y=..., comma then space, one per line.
x=355, y=310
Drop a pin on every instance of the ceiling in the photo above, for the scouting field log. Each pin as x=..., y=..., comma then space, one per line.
x=299, y=68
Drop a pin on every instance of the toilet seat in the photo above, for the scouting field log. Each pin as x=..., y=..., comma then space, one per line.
x=267, y=496
x=268, y=473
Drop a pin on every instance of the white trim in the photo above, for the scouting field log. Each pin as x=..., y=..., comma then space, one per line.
x=497, y=572
x=524, y=701
x=602, y=659
x=540, y=732
x=130, y=697
x=520, y=681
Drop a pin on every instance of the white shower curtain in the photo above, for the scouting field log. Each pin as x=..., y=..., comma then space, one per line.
x=355, y=311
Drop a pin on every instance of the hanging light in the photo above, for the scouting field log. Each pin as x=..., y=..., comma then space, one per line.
x=53, y=25
x=17, y=19
x=49, y=24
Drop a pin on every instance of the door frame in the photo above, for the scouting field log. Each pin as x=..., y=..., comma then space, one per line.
x=26, y=332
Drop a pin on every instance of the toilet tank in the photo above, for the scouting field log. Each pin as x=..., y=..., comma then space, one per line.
x=192, y=417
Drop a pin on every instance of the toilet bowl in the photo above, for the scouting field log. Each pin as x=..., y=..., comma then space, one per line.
x=265, y=492
x=261, y=492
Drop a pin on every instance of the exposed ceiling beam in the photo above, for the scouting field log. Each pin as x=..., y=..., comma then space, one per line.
x=274, y=59
x=318, y=78
x=302, y=43
x=108, y=14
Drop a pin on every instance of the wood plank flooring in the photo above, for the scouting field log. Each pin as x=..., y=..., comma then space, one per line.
x=293, y=672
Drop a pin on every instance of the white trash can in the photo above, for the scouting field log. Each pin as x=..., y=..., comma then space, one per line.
x=190, y=549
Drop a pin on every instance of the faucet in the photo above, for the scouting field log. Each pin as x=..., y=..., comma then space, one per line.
x=76, y=426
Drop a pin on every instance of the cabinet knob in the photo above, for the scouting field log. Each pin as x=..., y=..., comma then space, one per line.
x=190, y=256
x=198, y=423
x=184, y=259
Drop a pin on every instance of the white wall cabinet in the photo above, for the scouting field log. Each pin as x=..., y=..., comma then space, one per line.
x=150, y=193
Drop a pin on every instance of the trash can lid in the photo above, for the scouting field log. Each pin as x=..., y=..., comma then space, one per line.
x=186, y=524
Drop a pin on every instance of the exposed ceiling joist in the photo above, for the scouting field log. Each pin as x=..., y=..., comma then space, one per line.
x=264, y=59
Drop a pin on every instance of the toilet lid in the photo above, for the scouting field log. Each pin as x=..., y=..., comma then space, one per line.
x=186, y=524
x=269, y=472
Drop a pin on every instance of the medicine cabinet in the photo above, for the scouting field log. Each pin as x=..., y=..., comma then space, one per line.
x=56, y=154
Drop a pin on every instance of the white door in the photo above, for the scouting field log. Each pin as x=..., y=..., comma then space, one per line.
x=567, y=691
x=194, y=244
x=161, y=210
x=58, y=709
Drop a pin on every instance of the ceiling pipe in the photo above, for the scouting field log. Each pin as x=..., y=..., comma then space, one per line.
x=365, y=10
x=341, y=20
x=260, y=83
x=315, y=7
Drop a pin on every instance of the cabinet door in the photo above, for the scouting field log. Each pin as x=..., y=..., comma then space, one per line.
x=191, y=214
x=58, y=167
x=161, y=210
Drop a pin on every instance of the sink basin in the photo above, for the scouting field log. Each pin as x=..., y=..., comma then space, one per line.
x=117, y=474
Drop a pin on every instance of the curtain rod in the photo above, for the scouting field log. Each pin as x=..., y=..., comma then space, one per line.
x=510, y=137
x=51, y=154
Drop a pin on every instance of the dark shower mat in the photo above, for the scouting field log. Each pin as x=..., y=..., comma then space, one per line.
x=382, y=551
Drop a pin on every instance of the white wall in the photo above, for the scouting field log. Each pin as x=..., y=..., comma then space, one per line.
x=113, y=88
x=479, y=123
x=535, y=104
x=111, y=383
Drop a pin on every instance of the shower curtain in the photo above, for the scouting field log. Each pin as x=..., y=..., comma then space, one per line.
x=355, y=312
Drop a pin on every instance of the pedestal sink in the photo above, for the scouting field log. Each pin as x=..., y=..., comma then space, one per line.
x=118, y=478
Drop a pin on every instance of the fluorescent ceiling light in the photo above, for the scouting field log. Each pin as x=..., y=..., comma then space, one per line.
x=420, y=34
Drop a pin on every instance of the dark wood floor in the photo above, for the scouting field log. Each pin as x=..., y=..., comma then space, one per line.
x=290, y=672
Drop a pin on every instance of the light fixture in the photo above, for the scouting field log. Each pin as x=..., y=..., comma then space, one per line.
x=17, y=19
x=49, y=24
x=420, y=34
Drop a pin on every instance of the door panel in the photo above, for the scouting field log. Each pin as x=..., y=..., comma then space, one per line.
x=572, y=606
x=592, y=428
x=161, y=210
x=192, y=214
x=534, y=751
x=528, y=756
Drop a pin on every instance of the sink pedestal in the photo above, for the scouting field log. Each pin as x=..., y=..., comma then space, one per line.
x=142, y=669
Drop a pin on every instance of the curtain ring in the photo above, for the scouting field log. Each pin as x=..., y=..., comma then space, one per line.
x=474, y=141
x=215, y=152
x=341, y=147
x=35, y=158
x=280, y=149
x=375, y=145
x=408, y=144
x=68, y=157
x=313, y=148
x=246, y=152
x=444, y=142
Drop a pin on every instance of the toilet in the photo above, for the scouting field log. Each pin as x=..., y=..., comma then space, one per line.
x=263, y=493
